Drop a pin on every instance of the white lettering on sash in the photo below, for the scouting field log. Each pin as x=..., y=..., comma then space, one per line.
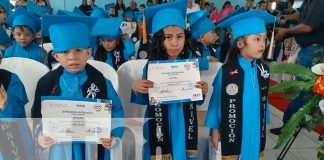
x=232, y=120
x=158, y=119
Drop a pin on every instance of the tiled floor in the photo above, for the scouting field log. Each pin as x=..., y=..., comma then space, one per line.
x=305, y=146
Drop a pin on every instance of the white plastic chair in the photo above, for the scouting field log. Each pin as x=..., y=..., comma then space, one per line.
x=129, y=72
x=47, y=47
x=29, y=72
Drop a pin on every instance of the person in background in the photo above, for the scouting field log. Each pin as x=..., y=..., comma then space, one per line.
x=115, y=49
x=25, y=26
x=261, y=5
x=192, y=7
x=85, y=8
x=132, y=6
x=120, y=8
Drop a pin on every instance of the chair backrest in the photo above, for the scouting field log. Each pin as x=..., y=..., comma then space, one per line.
x=129, y=72
x=209, y=76
x=107, y=71
x=29, y=72
x=47, y=47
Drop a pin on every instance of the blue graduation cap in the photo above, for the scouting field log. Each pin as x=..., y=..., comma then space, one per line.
x=77, y=11
x=129, y=13
x=251, y=22
x=109, y=5
x=67, y=32
x=98, y=12
x=160, y=16
x=21, y=17
x=138, y=16
x=200, y=24
x=38, y=10
x=4, y=38
x=100, y=28
x=6, y=5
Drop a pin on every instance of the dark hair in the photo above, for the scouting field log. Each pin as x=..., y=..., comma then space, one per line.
x=157, y=51
x=234, y=50
x=101, y=54
x=143, y=5
x=117, y=7
x=226, y=3
x=22, y=28
x=260, y=2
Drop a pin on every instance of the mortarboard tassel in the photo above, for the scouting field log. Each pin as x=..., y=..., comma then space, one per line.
x=270, y=52
x=144, y=31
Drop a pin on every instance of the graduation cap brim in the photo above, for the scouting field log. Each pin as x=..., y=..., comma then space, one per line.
x=268, y=18
x=6, y=5
x=38, y=10
x=10, y=19
x=47, y=21
x=100, y=28
x=150, y=12
x=98, y=12
x=195, y=16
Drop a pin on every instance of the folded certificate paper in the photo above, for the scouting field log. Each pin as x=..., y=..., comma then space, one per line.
x=174, y=81
x=81, y=119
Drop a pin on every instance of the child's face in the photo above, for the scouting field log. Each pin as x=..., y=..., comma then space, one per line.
x=174, y=40
x=210, y=37
x=23, y=35
x=254, y=46
x=109, y=44
x=73, y=60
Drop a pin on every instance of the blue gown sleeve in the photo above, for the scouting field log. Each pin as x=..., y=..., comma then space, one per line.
x=17, y=98
x=129, y=49
x=8, y=52
x=140, y=98
x=117, y=121
x=213, y=117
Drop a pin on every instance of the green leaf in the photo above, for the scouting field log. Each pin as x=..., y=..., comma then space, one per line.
x=293, y=69
x=290, y=128
x=291, y=86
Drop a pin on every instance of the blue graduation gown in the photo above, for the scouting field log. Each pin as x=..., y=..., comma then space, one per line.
x=176, y=126
x=75, y=151
x=251, y=109
x=17, y=98
x=15, y=108
x=33, y=51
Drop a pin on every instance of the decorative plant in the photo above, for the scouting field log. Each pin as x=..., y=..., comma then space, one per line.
x=311, y=84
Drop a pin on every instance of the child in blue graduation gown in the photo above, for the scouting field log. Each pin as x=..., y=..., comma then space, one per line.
x=114, y=49
x=167, y=23
x=238, y=108
x=75, y=78
x=12, y=109
x=203, y=34
x=25, y=26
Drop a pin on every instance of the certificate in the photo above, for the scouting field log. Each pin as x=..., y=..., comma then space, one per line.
x=82, y=119
x=174, y=81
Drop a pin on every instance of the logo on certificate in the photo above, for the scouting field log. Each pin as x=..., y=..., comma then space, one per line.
x=108, y=105
x=232, y=89
x=187, y=66
x=97, y=107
